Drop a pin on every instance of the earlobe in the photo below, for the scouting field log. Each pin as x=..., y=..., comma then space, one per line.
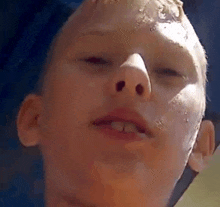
x=28, y=120
x=204, y=147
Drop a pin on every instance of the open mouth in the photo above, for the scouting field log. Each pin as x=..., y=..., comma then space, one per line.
x=121, y=126
x=123, y=123
x=122, y=130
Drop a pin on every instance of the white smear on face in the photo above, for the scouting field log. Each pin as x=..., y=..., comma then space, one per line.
x=173, y=31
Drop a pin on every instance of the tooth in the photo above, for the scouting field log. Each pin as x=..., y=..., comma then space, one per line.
x=118, y=126
x=142, y=135
x=129, y=127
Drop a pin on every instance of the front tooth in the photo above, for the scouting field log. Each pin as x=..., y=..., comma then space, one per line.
x=129, y=127
x=118, y=126
x=142, y=135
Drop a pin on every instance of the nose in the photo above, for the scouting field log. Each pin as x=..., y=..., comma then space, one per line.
x=132, y=77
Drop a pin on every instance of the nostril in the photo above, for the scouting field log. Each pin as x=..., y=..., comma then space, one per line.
x=120, y=85
x=139, y=89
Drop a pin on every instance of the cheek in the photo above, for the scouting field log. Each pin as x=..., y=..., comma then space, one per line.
x=71, y=98
x=184, y=112
x=73, y=92
x=177, y=124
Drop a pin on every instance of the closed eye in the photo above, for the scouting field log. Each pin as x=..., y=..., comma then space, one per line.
x=96, y=61
x=168, y=73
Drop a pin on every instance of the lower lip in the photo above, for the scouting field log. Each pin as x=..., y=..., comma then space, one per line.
x=113, y=134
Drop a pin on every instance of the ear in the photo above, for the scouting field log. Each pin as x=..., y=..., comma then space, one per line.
x=28, y=120
x=204, y=146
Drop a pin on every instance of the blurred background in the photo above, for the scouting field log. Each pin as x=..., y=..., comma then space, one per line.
x=26, y=30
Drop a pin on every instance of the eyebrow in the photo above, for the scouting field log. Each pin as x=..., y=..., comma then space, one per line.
x=102, y=32
x=94, y=32
x=110, y=31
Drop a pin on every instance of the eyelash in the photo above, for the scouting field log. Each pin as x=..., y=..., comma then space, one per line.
x=101, y=61
x=168, y=72
x=96, y=61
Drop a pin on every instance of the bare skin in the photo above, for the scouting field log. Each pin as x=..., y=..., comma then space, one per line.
x=114, y=41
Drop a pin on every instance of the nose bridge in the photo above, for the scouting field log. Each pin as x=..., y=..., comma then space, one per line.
x=132, y=77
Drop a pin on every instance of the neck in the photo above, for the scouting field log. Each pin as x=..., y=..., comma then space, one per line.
x=55, y=197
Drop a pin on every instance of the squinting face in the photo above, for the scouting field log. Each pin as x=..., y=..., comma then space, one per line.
x=112, y=65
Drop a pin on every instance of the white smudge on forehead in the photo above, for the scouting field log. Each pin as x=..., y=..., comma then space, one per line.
x=164, y=8
x=144, y=11
x=170, y=9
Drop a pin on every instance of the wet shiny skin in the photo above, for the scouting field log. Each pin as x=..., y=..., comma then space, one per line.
x=81, y=162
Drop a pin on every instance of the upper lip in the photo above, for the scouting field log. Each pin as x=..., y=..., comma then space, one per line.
x=125, y=115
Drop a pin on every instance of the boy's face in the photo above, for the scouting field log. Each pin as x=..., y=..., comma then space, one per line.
x=118, y=58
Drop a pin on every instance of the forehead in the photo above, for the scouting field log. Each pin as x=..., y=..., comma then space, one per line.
x=124, y=16
x=129, y=14
x=163, y=17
